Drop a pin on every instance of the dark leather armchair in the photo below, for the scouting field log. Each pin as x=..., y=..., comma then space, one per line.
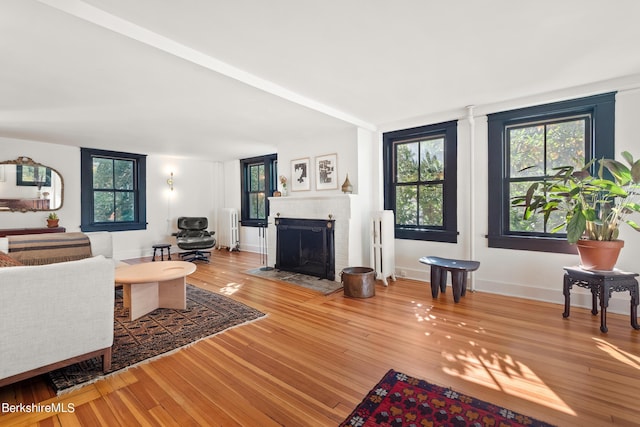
x=194, y=238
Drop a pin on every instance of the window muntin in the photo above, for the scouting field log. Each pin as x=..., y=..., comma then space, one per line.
x=542, y=136
x=257, y=197
x=113, y=190
x=420, y=181
x=535, y=149
x=259, y=181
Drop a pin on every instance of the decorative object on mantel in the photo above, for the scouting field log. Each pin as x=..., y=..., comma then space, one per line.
x=52, y=220
x=347, y=188
x=327, y=172
x=283, y=185
x=300, y=180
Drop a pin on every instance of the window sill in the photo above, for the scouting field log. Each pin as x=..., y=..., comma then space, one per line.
x=537, y=244
x=427, y=235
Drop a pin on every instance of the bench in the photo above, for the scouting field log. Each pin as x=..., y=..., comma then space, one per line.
x=458, y=268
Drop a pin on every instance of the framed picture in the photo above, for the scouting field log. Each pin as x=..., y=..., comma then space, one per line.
x=327, y=172
x=300, y=175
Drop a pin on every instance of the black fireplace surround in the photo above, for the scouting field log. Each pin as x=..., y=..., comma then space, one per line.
x=306, y=246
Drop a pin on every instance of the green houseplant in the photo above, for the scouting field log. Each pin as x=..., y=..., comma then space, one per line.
x=593, y=207
x=52, y=220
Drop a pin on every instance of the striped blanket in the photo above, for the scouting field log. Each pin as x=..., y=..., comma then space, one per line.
x=49, y=248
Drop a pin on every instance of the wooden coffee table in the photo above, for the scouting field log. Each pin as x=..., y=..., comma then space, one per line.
x=148, y=286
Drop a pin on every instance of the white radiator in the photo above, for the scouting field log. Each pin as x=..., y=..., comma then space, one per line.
x=383, y=248
x=228, y=232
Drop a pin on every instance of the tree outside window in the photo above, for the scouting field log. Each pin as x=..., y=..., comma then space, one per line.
x=259, y=175
x=420, y=181
x=525, y=146
x=113, y=190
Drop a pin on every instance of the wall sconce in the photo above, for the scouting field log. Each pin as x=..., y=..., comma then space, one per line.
x=170, y=181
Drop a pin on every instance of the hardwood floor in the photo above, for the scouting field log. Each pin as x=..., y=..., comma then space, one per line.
x=314, y=357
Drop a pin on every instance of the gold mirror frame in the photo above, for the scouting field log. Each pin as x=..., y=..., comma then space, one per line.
x=28, y=204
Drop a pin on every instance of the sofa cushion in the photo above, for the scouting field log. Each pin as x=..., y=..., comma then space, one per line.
x=7, y=261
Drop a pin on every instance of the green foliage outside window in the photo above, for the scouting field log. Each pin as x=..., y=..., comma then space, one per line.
x=535, y=150
x=419, y=183
x=257, y=207
x=113, y=190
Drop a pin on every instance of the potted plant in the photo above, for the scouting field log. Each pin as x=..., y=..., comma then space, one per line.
x=52, y=220
x=593, y=207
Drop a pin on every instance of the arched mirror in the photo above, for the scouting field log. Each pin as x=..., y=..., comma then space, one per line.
x=26, y=185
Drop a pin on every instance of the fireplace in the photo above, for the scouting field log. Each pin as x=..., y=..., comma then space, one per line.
x=306, y=246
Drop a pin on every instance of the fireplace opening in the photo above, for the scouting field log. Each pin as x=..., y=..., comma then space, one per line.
x=306, y=246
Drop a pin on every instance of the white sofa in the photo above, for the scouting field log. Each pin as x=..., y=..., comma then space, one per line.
x=57, y=314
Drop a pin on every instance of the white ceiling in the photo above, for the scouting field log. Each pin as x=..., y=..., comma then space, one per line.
x=231, y=79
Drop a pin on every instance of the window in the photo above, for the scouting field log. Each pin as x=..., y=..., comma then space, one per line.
x=258, y=182
x=113, y=190
x=525, y=146
x=420, y=181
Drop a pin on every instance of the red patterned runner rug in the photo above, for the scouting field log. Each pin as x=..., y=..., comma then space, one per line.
x=400, y=400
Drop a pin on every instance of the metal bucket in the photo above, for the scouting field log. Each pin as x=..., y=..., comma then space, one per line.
x=359, y=282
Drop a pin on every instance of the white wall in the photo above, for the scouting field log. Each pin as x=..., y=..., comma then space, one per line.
x=195, y=194
x=528, y=274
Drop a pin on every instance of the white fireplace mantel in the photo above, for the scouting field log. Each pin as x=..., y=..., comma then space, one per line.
x=343, y=208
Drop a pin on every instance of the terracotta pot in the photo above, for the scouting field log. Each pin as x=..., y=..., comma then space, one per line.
x=599, y=255
x=52, y=223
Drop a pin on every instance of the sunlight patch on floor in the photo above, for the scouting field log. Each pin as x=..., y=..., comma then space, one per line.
x=620, y=355
x=502, y=372
x=491, y=369
x=231, y=288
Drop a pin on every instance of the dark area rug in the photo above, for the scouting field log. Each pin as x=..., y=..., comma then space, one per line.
x=158, y=333
x=400, y=400
x=323, y=286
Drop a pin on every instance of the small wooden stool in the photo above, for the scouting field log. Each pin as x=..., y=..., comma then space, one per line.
x=458, y=268
x=162, y=247
x=602, y=284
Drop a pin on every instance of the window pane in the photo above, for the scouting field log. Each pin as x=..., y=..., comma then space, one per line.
x=102, y=173
x=407, y=162
x=565, y=144
x=431, y=203
x=432, y=160
x=407, y=205
x=257, y=206
x=125, y=207
x=103, y=206
x=535, y=224
x=256, y=178
x=123, y=174
x=526, y=145
x=261, y=186
x=261, y=206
